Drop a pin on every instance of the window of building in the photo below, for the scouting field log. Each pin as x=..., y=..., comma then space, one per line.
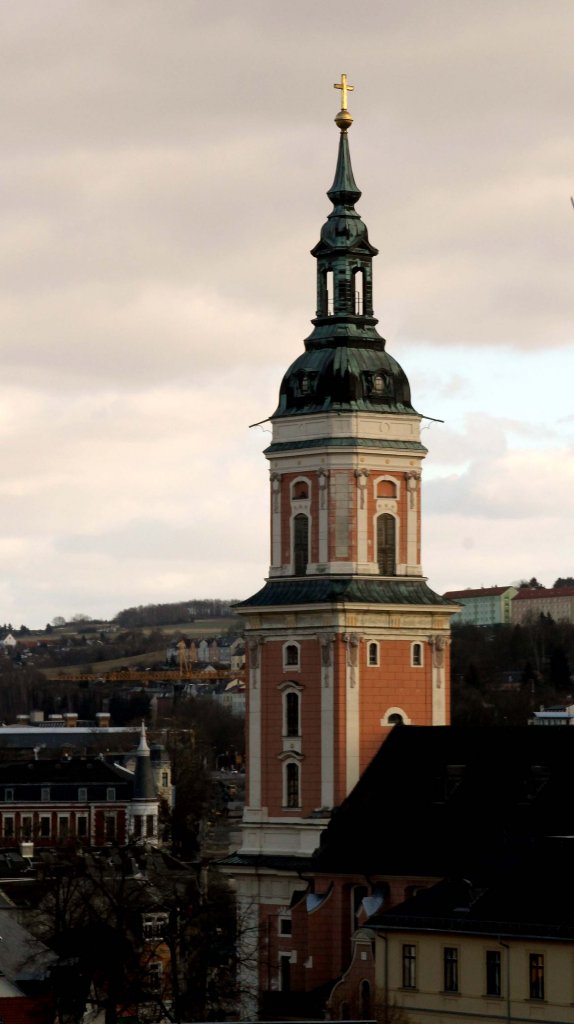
x=137, y=826
x=373, y=653
x=165, y=779
x=386, y=544
x=26, y=826
x=111, y=793
x=292, y=784
x=154, y=971
x=285, y=972
x=291, y=656
x=395, y=716
x=300, y=488
x=285, y=926
x=493, y=973
x=451, y=969
x=45, y=826
x=63, y=825
x=409, y=966
x=536, y=987
x=386, y=489
x=154, y=926
x=149, y=826
x=45, y=794
x=8, y=826
x=83, y=794
x=364, y=1001
x=82, y=826
x=110, y=827
x=292, y=716
x=9, y=796
x=417, y=655
x=300, y=544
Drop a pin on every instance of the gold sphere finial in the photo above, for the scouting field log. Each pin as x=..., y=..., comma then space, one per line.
x=343, y=119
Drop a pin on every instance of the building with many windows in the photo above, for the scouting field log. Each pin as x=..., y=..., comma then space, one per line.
x=530, y=603
x=497, y=948
x=81, y=799
x=486, y=606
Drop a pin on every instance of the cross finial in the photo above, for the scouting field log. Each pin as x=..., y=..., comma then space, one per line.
x=342, y=85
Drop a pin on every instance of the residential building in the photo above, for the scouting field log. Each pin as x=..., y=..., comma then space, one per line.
x=45, y=803
x=529, y=604
x=486, y=606
x=558, y=714
x=436, y=806
x=489, y=949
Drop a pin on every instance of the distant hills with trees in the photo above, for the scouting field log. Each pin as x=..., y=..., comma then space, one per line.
x=179, y=611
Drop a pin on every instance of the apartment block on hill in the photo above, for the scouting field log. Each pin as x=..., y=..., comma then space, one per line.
x=529, y=604
x=485, y=606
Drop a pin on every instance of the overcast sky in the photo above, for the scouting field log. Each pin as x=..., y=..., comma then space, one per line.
x=164, y=169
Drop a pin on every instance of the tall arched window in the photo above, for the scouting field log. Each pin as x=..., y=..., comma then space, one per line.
x=386, y=544
x=292, y=793
x=300, y=543
x=292, y=718
x=364, y=1001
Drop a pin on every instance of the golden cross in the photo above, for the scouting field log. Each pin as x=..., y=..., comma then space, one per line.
x=345, y=89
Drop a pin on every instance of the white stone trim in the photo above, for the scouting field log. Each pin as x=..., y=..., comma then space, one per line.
x=254, y=721
x=352, y=718
x=395, y=711
x=327, y=721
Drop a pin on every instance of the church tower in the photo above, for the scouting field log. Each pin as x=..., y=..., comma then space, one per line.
x=345, y=640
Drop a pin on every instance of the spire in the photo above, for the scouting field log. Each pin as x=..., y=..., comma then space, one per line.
x=143, y=745
x=144, y=786
x=344, y=190
x=345, y=365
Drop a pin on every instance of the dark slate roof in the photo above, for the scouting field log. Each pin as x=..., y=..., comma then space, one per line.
x=144, y=785
x=535, y=593
x=363, y=590
x=443, y=800
x=63, y=777
x=480, y=592
x=273, y=862
x=527, y=897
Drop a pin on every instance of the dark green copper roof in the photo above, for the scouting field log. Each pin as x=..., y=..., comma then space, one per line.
x=344, y=442
x=344, y=366
x=363, y=590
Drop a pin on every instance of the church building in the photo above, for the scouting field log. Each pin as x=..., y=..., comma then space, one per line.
x=346, y=640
